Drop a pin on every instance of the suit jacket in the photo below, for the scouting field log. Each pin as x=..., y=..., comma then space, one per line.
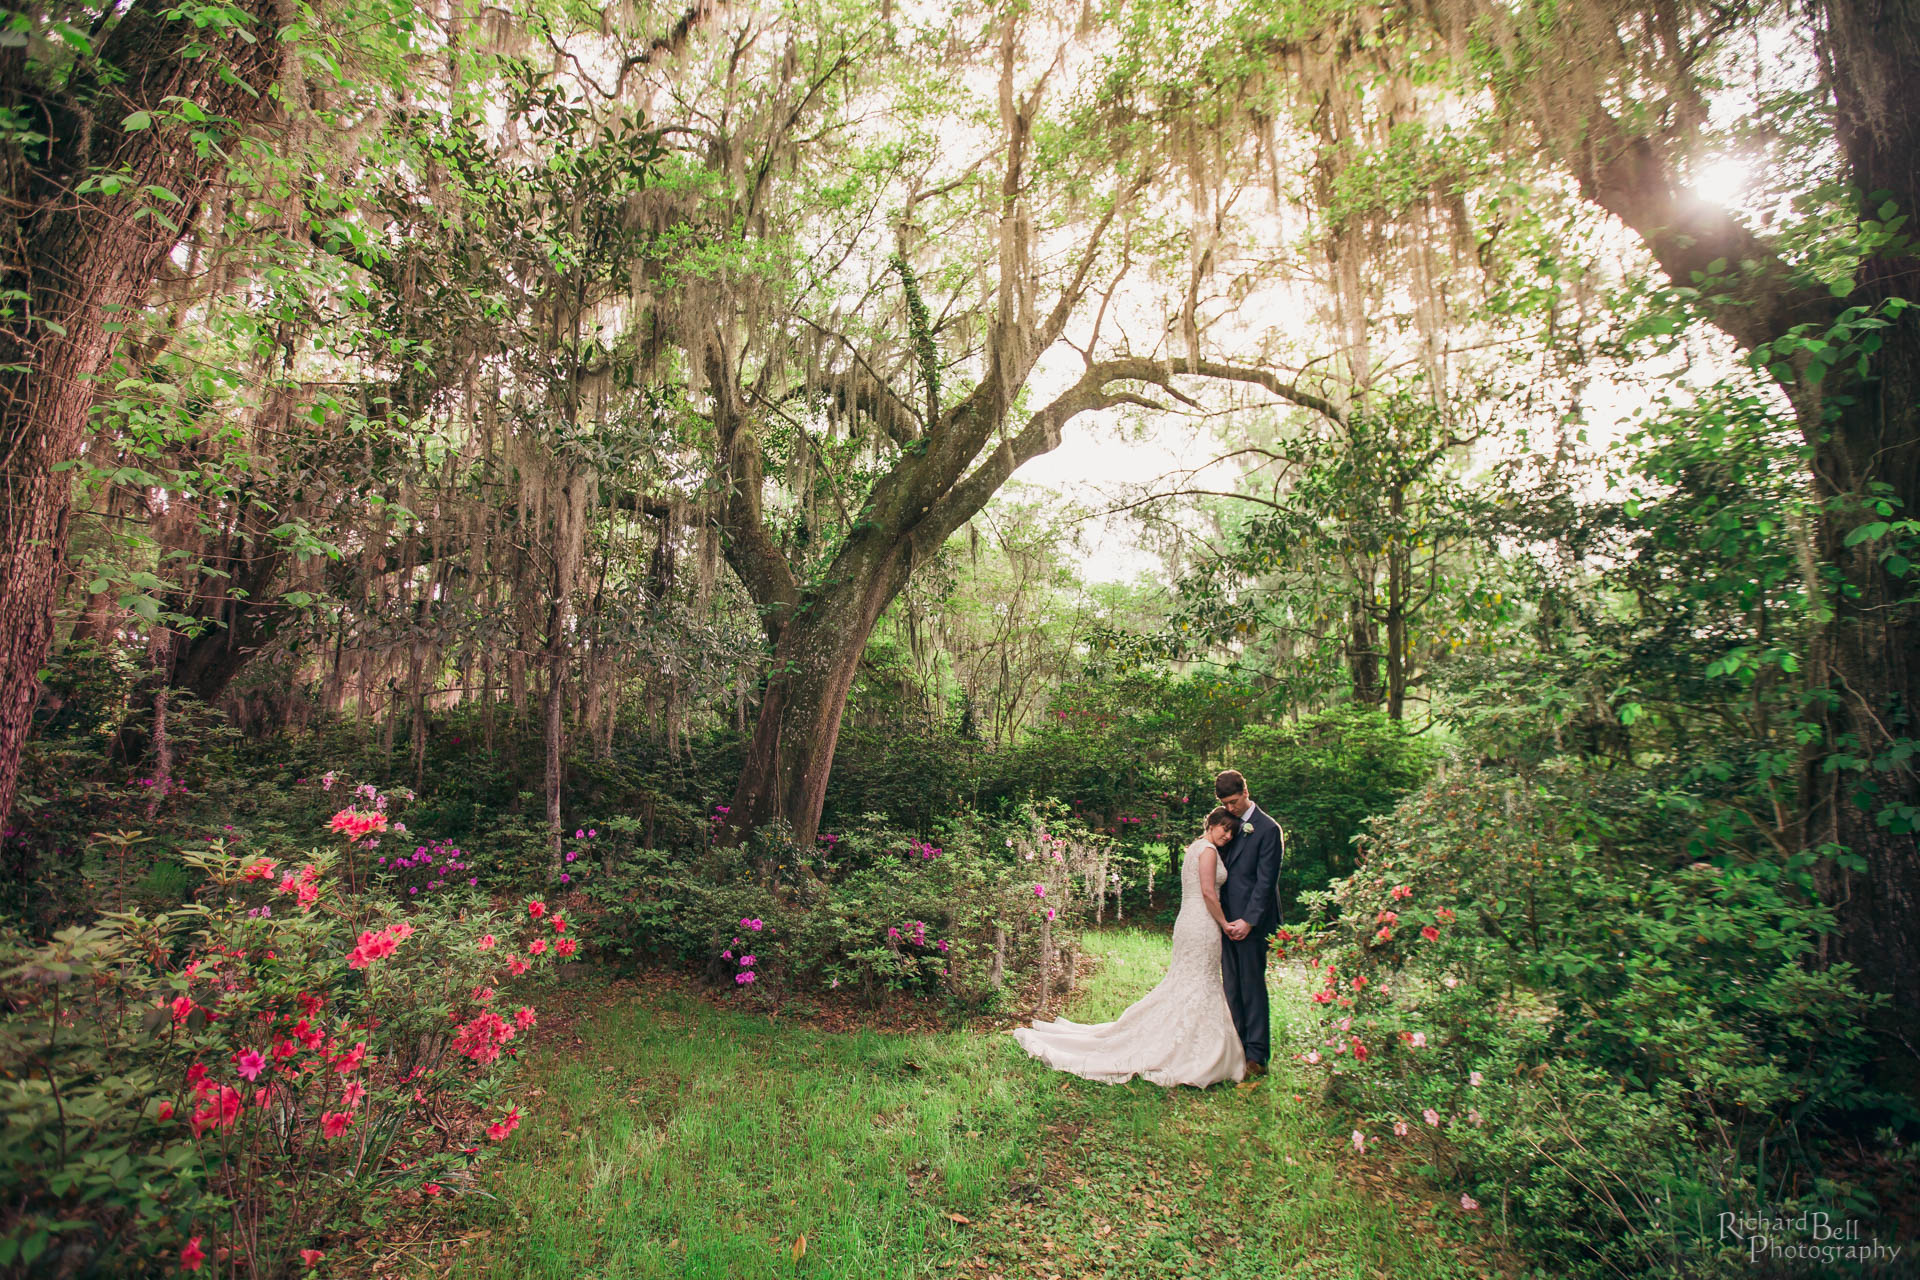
x=1252, y=890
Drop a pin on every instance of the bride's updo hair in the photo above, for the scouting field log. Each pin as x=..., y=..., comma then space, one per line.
x=1222, y=817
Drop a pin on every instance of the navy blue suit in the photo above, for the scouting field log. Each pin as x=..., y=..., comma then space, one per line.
x=1251, y=894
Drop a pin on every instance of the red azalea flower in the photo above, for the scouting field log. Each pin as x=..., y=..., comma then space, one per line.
x=565, y=947
x=335, y=1123
x=1430, y=933
x=166, y=1110
x=559, y=924
x=193, y=1256
x=536, y=909
x=537, y=946
x=524, y=1017
x=311, y=1257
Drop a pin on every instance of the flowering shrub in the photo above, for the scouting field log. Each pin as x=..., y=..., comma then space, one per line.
x=873, y=912
x=429, y=869
x=1595, y=1044
x=234, y=1081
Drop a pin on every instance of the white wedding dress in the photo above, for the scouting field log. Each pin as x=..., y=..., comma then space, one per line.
x=1181, y=1032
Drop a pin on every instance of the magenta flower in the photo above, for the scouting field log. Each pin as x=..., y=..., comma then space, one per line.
x=1039, y=891
x=746, y=962
x=250, y=1063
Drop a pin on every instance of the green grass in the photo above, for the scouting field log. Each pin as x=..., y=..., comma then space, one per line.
x=680, y=1140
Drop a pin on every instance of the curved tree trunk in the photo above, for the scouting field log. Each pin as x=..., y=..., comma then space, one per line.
x=74, y=265
x=815, y=660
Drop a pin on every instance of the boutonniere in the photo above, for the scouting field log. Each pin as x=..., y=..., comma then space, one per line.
x=1246, y=828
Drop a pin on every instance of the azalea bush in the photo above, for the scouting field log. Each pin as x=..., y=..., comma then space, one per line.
x=246, y=1079
x=1594, y=1045
x=869, y=909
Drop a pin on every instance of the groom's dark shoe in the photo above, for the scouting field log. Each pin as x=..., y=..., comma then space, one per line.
x=1255, y=1070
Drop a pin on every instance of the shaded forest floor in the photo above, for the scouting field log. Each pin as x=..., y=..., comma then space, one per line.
x=669, y=1135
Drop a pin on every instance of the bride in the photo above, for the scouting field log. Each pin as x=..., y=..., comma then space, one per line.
x=1181, y=1032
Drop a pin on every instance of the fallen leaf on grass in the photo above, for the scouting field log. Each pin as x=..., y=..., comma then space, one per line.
x=800, y=1247
x=954, y=1217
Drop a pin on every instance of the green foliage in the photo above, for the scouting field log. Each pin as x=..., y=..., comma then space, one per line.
x=874, y=911
x=1616, y=1047
x=240, y=1073
x=1321, y=778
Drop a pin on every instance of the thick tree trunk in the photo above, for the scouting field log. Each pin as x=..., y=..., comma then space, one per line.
x=814, y=664
x=1866, y=440
x=790, y=758
x=78, y=264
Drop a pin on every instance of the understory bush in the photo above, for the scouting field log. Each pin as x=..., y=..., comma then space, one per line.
x=246, y=1078
x=1601, y=1049
x=872, y=910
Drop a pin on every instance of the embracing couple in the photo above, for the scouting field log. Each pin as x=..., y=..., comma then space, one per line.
x=1207, y=1020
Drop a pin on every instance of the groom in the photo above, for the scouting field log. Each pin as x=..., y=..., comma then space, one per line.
x=1250, y=900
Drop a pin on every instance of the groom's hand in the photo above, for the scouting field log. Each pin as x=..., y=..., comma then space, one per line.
x=1238, y=929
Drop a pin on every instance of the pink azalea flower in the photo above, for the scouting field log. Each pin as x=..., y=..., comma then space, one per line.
x=1450, y=982
x=1431, y=1116
x=524, y=1017
x=1473, y=1118
x=1475, y=1079
x=1430, y=933
x=1359, y=1141
x=250, y=1063
x=1419, y=1039
x=1313, y=1057
x=1468, y=1203
x=335, y=1123
x=1399, y=1128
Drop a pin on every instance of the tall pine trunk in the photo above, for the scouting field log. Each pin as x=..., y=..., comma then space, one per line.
x=72, y=266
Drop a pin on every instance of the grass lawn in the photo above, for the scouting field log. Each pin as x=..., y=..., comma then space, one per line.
x=681, y=1140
